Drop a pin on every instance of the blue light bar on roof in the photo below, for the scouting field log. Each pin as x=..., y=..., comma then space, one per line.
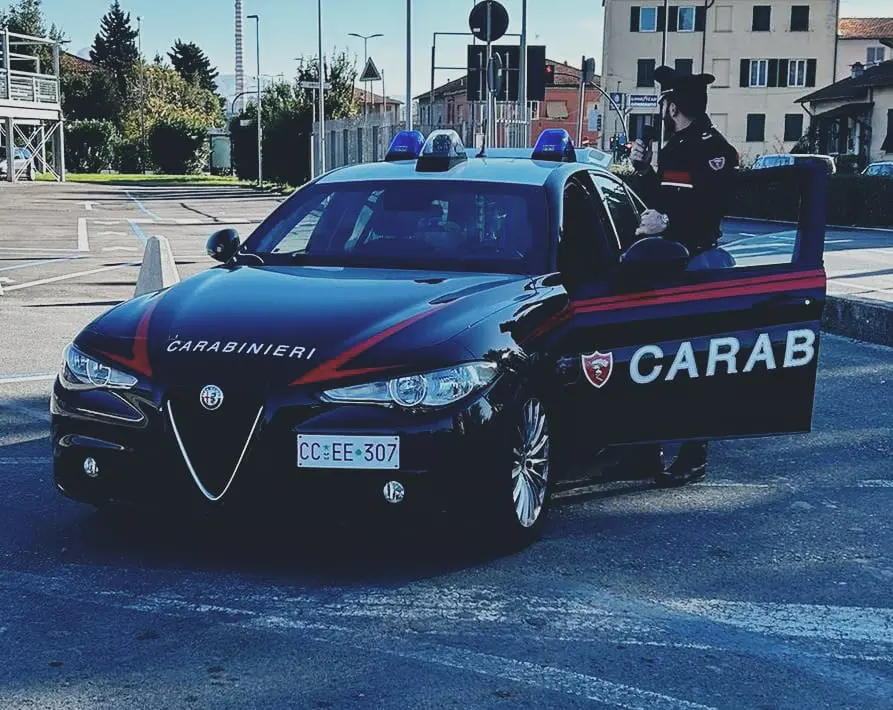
x=407, y=145
x=554, y=144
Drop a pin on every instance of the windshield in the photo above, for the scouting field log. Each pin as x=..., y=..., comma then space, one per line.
x=436, y=224
x=885, y=169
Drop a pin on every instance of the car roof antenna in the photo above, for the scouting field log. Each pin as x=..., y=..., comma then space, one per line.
x=483, y=153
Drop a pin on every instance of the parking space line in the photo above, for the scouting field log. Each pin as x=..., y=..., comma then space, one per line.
x=9, y=379
x=75, y=275
x=138, y=231
x=83, y=243
x=40, y=263
x=142, y=207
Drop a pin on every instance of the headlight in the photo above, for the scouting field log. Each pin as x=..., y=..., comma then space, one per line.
x=431, y=389
x=80, y=371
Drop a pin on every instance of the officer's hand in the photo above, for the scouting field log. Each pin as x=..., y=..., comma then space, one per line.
x=640, y=155
x=653, y=222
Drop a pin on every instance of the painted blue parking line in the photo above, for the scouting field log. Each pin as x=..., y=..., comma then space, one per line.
x=138, y=231
x=141, y=206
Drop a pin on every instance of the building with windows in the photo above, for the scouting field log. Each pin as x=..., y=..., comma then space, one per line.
x=447, y=106
x=854, y=116
x=762, y=54
x=866, y=40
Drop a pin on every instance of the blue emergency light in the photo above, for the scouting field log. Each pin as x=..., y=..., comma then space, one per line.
x=443, y=149
x=407, y=145
x=554, y=144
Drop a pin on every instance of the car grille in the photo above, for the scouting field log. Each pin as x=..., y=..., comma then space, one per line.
x=213, y=441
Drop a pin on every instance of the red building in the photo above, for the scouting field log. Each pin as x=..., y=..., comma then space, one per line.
x=447, y=107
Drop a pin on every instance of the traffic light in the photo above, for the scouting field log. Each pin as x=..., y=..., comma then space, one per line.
x=550, y=75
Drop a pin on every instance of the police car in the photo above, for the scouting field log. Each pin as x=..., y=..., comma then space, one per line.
x=445, y=330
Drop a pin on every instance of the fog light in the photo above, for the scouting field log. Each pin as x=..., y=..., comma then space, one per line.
x=394, y=492
x=91, y=468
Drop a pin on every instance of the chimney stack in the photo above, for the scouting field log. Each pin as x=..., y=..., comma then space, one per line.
x=240, y=64
x=856, y=70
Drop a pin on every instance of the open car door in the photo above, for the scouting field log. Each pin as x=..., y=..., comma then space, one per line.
x=660, y=352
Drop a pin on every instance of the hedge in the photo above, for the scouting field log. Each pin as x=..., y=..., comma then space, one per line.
x=90, y=145
x=853, y=200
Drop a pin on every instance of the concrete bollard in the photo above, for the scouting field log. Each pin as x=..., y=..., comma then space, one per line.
x=158, y=270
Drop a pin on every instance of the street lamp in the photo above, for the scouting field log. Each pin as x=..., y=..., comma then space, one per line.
x=365, y=39
x=408, y=65
x=260, y=151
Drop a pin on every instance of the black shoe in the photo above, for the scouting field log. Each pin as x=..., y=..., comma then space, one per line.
x=690, y=466
x=678, y=477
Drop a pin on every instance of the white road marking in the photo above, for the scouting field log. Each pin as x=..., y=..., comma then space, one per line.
x=38, y=249
x=9, y=379
x=75, y=275
x=119, y=248
x=89, y=205
x=878, y=483
x=6, y=280
x=112, y=234
x=816, y=621
x=83, y=242
x=42, y=262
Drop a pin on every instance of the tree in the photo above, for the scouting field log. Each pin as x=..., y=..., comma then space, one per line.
x=89, y=94
x=193, y=65
x=26, y=17
x=341, y=73
x=114, y=47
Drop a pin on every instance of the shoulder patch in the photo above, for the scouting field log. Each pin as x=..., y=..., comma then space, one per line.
x=717, y=163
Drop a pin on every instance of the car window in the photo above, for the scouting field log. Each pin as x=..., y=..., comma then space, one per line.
x=580, y=252
x=623, y=212
x=428, y=224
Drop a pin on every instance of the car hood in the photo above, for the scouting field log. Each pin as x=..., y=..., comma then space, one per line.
x=300, y=325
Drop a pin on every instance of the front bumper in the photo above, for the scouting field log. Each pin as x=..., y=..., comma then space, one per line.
x=445, y=458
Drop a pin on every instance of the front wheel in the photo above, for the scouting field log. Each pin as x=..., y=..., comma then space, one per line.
x=522, y=490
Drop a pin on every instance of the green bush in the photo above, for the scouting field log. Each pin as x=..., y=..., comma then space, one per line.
x=853, y=200
x=90, y=145
x=178, y=146
x=127, y=157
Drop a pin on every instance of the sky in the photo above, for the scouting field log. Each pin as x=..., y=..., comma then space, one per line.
x=570, y=29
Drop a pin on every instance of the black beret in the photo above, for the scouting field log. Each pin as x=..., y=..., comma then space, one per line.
x=681, y=84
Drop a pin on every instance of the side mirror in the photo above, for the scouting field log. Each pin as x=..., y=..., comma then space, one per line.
x=223, y=244
x=653, y=257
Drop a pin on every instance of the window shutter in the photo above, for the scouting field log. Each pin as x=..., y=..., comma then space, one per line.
x=772, y=73
x=634, y=18
x=783, y=65
x=810, y=72
x=700, y=18
x=745, y=72
x=661, y=18
x=673, y=20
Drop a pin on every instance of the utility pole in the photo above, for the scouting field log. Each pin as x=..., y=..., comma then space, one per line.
x=408, y=65
x=522, y=76
x=322, y=91
x=260, y=130
x=142, y=80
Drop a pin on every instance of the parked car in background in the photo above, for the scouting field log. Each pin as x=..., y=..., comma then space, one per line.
x=776, y=160
x=21, y=161
x=883, y=168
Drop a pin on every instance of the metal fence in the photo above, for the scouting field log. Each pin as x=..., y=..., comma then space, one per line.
x=364, y=140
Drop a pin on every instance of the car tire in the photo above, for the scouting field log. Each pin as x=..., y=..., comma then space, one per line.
x=519, y=499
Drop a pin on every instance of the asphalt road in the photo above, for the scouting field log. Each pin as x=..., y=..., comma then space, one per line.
x=859, y=262
x=768, y=586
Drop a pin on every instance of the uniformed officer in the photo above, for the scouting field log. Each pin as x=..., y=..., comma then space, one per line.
x=687, y=195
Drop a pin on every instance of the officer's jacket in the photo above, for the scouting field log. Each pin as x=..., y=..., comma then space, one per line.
x=693, y=184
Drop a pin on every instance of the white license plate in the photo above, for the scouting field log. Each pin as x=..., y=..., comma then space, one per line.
x=335, y=451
